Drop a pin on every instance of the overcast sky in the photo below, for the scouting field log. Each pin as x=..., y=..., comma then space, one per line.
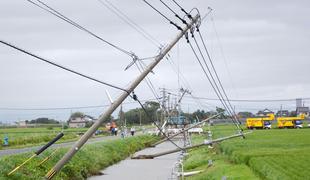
x=259, y=48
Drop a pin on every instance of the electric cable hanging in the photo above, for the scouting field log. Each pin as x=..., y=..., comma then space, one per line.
x=171, y=22
x=130, y=22
x=187, y=39
x=134, y=97
x=183, y=10
x=62, y=67
x=216, y=74
x=229, y=107
x=212, y=77
x=185, y=82
x=68, y=20
x=176, y=15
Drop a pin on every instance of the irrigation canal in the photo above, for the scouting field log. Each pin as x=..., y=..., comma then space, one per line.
x=160, y=168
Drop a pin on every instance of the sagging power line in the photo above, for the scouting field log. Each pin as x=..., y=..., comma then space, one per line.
x=170, y=21
x=114, y=9
x=61, y=66
x=56, y=13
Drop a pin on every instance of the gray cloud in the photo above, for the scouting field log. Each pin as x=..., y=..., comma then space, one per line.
x=265, y=45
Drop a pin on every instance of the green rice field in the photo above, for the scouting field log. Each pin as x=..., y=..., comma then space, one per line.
x=264, y=154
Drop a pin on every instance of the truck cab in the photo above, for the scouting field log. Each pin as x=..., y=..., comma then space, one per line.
x=291, y=122
x=263, y=122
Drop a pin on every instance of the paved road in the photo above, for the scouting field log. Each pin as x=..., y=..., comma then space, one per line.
x=151, y=169
x=67, y=144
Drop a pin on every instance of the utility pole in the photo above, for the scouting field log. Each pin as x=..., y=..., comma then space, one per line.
x=78, y=145
x=163, y=106
x=140, y=116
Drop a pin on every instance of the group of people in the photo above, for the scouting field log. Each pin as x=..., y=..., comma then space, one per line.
x=114, y=129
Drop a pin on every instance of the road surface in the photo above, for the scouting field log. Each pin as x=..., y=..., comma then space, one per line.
x=67, y=144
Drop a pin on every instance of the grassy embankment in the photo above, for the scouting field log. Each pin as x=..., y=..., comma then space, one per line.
x=88, y=161
x=25, y=137
x=264, y=154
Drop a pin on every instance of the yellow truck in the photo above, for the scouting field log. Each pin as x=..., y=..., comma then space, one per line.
x=263, y=122
x=290, y=122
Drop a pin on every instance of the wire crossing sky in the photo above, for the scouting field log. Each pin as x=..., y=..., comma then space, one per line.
x=259, y=50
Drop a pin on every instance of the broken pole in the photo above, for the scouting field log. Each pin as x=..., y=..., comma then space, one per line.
x=77, y=146
x=152, y=156
x=193, y=126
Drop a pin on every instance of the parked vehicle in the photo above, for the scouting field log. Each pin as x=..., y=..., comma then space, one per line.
x=291, y=122
x=262, y=122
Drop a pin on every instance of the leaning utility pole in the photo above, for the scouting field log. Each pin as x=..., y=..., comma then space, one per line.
x=77, y=146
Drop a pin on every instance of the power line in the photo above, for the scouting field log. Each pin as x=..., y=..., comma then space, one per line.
x=176, y=15
x=158, y=127
x=227, y=103
x=184, y=81
x=182, y=9
x=130, y=22
x=216, y=92
x=171, y=22
x=65, y=108
x=222, y=52
x=56, y=13
x=61, y=67
x=252, y=100
x=216, y=74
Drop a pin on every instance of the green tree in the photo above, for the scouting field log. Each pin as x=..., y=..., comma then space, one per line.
x=221, y=110
x=77, y=115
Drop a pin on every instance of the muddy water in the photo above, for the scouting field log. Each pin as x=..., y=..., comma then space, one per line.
x=151, y=169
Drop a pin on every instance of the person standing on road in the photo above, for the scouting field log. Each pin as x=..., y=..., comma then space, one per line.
x=132, y=131
x=115, y=131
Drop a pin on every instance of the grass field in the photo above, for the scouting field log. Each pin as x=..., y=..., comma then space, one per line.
x=23, y=137
x=88, y=161
x=264, y=154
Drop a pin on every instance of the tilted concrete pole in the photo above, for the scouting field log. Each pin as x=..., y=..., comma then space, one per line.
x=77, y=146
x=193, y=126
x=152, y=156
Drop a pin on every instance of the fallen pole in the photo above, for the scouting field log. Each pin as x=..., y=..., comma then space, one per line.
x=152, y=156
x=48, y=157
x=193, y=126
x=78, y=145
x=38, y=152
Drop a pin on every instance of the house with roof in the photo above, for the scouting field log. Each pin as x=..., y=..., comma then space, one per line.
x=302, y=110
x=283, y=113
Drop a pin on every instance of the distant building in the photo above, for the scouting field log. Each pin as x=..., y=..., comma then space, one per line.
x=264, y=112
x=77, y=122
x=245, y=114
x=283, y=113
x=21, y=123
x=299, y=102
x=302, y=110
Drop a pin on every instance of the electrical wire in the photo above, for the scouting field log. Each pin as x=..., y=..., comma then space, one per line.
x=149, y=116
x=222, y=52
x=56, y=13
x=213, y=79
x=171, y=22
x=201, y=65
x=252, y=100
x=183, y=10
x=62, y=67
x=130, y=22
x=65, y=108
x=176, y=15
